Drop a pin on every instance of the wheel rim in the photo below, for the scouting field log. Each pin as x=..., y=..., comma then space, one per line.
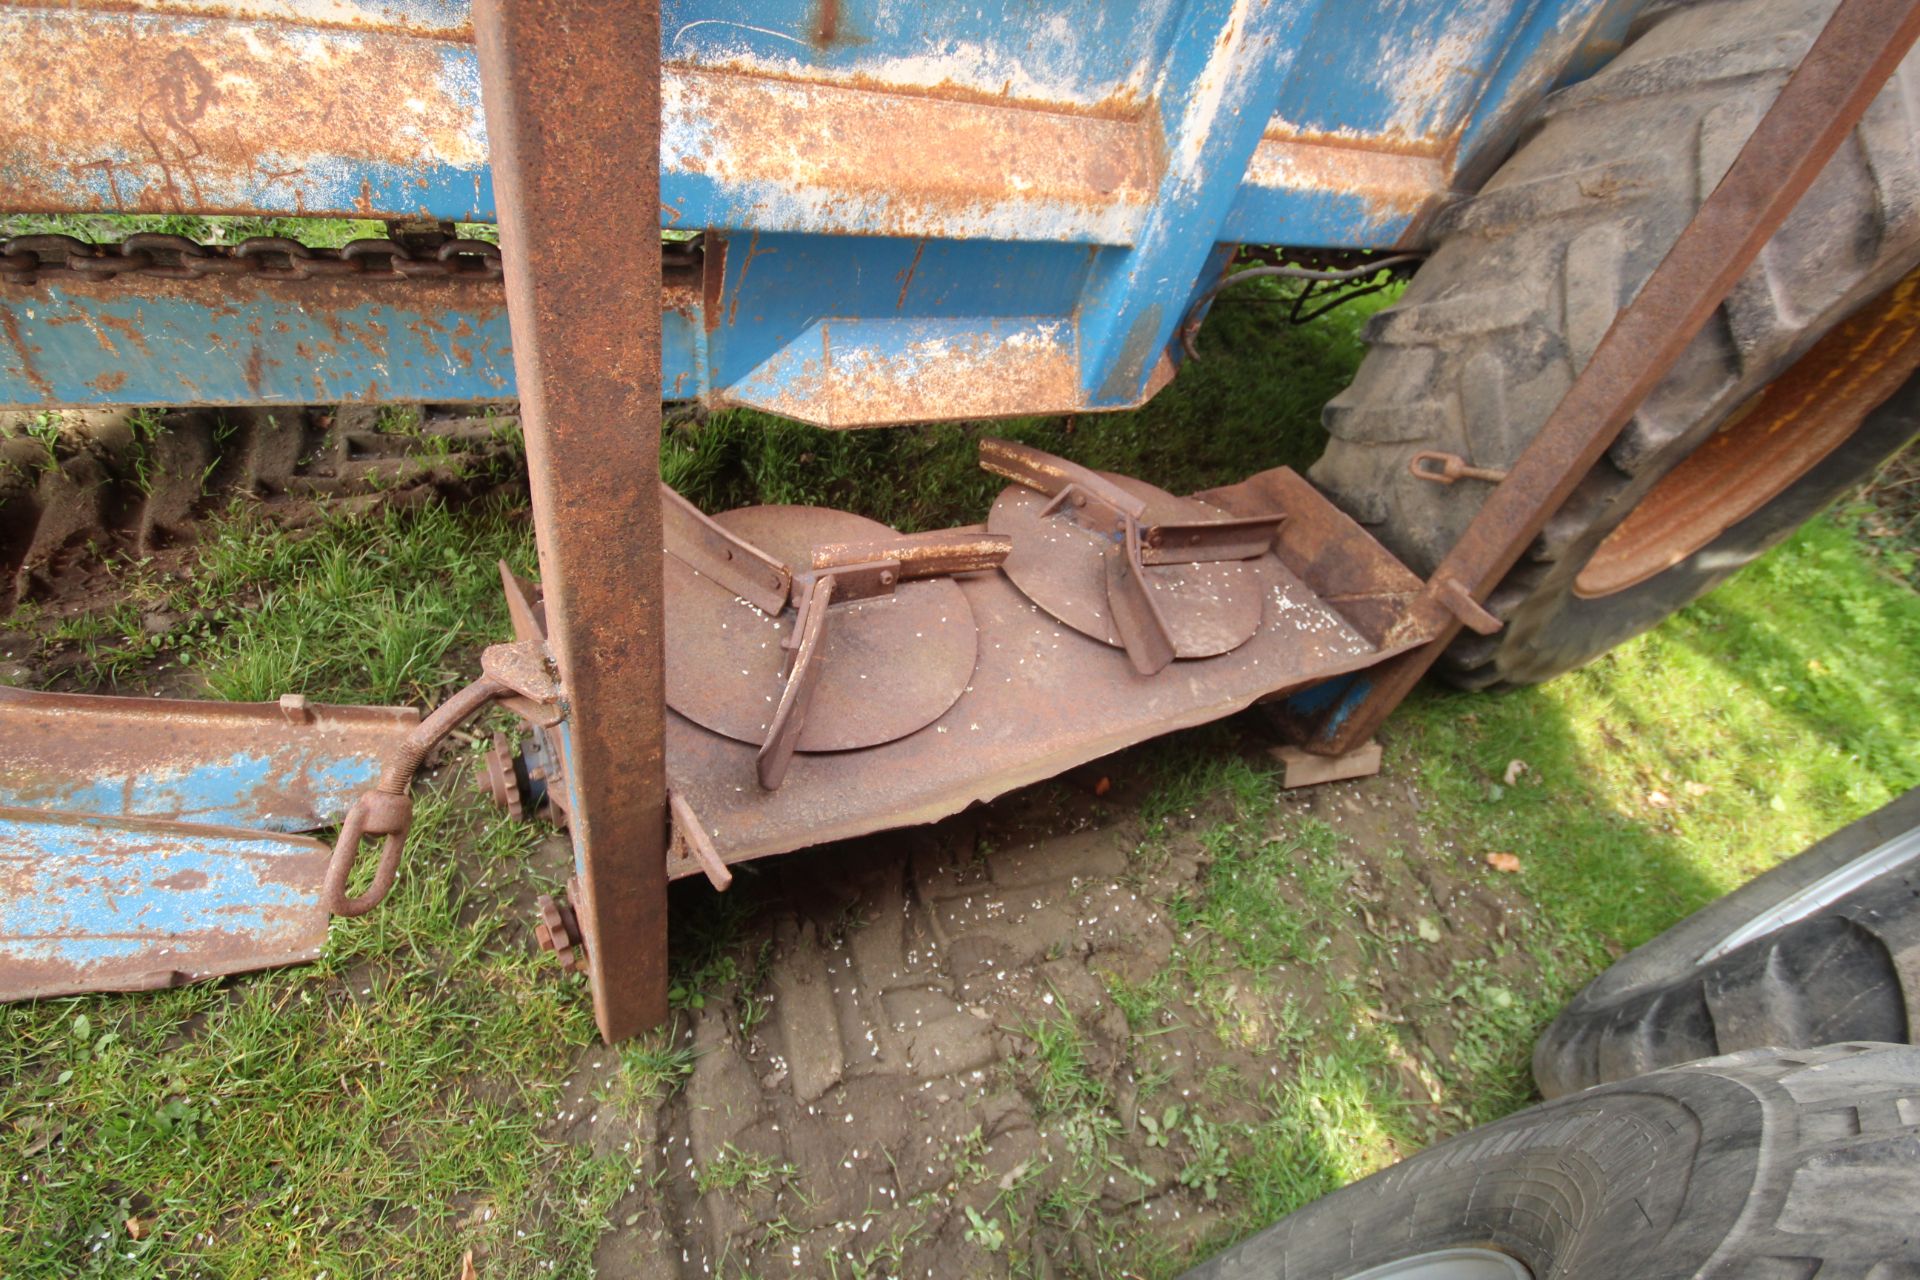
x=1766, y=445
x=1822, y=893
x=1450, y=1264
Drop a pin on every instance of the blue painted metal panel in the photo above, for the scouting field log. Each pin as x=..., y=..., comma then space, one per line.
x=264, y=342
x=217, y=791
x=177, y=111
x=1070, y=161
x=1400, y=74
x=1080, y=53
x=226, y=764
x=1225, y=66
x=118, y=904
x=857, y=332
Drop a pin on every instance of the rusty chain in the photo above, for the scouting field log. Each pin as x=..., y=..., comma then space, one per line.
x=156, y=255
x=24, y=259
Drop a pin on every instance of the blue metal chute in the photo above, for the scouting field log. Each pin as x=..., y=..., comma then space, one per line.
x=91, y=903
x=862, y=169
x=146, y=842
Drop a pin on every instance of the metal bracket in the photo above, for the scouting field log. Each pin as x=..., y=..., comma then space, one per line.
x=921, y=555
x=1459, y=602
x=842, y=573
x=1143, y=628
x=693, y=538
x=783, y=736
x=689, y=840
x=1449, y=467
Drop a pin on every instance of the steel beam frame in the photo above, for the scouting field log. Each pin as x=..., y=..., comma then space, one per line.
x=574, y=118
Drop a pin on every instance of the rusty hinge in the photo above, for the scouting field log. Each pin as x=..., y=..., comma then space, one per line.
x=520, y=675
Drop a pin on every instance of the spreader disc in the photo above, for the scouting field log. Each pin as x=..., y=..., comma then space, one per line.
x=889, y=665
x=1060, y=565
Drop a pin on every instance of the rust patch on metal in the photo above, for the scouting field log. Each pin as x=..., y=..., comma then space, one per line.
x=183, y=125
x=906, y=277
x=18, y=341
x=60, y=745
x=713, y=277
x=350, y=15
x=839, y=145
x=740, y=281
x=682, y=291
x=1392, y=184
x=854, y=382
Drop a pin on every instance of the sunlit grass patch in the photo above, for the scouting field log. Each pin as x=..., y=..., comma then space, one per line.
x=354, y=610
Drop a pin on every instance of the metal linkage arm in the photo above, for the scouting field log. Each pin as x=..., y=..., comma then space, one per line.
x=510, y=672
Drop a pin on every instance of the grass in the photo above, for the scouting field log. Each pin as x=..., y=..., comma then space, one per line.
x=384, y=1104
x=740, y=1171
x=1685, y=762
x=106, y=228
x=387, y=1108
x=382, y=609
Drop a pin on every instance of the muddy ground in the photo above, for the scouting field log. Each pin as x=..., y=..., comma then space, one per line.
x=889, y=1073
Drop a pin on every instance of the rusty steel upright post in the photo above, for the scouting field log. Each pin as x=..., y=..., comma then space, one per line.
x=1824, y=98
x=571, y=90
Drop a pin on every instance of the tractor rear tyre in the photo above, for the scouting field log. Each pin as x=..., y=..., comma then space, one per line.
x=1762, y=1164
x=1824, y=947
x=1792, y=395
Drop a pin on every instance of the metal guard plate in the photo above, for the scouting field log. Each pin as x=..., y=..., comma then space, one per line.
x=890, y=665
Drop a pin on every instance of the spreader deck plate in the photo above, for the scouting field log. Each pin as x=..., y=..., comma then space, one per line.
x=1044, y=698
x=1061, y=564
x=890, y=665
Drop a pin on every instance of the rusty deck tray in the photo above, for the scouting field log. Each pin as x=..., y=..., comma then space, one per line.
x=1045, y=698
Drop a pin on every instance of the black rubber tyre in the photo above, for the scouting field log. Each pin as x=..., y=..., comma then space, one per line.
x=1526, y=275
x=1765, y=1166
x=1850, y=971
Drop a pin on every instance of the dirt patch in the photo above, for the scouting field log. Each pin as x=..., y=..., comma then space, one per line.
x=83, y=493
x=929, y=1070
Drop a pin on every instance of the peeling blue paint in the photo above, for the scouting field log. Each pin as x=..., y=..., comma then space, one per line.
x=1395, y=102
x=219, y=792
x=103, y=903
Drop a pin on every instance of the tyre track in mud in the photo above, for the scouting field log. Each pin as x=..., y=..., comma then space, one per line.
x=80, y=487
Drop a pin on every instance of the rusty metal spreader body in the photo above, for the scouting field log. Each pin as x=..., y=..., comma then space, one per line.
x=874, y=214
